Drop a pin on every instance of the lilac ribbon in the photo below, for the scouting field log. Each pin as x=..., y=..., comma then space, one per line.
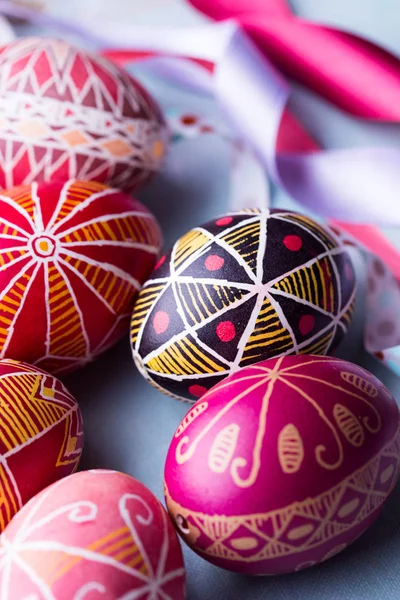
x=356, y=185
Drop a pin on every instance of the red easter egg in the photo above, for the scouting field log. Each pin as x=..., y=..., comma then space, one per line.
x=96, y=534
x=73, y=256
x=41, y=434
x=283, y=464
x=66, y=113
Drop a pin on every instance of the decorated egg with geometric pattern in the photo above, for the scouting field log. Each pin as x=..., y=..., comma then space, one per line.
x=66, y=113
x=95, y=534
x=41, y=434
x=73, y=256
x=237, y=290
x=284, y=464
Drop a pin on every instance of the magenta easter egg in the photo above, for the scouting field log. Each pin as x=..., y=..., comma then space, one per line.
x=283, y=464
x=66, y=113
x=242, y=288
x=95, y=534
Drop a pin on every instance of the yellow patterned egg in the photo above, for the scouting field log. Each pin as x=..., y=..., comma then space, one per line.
x=41, y=434
x=283, y=464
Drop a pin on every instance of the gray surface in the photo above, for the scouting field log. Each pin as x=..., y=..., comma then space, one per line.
x=128, y=425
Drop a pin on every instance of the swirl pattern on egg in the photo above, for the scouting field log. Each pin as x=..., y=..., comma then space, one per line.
x=95, y=534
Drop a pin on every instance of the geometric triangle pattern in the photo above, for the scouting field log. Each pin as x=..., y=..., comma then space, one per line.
x=72, y=259
x=67, y=114
x=297, y=457
x=237, y=290
x=39, y=417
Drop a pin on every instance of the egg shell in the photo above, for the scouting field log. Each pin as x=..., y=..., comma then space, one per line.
x=94, y=534
x=66, y=113
x=41, y=434
x=72, y=259
x=237, y=290
x=283, y=464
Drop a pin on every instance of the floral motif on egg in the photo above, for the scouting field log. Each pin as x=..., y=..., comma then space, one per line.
x=41, y=434
x=284, y=464
x=72, y=258
x=99, y=533
x=234, y=291
x=66, y=113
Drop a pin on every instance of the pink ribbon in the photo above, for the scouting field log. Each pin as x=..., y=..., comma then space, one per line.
x=353, y=73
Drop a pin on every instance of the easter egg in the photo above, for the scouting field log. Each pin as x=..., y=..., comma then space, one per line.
x=72, y=258
x=237, y=290
x=66, y=113
x=283, y=464
x=41, y=434
x=95, y=534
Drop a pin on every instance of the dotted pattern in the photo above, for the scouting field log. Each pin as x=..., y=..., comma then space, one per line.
x=238, y=290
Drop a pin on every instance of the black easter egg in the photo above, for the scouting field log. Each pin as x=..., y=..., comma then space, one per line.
x=240, y=289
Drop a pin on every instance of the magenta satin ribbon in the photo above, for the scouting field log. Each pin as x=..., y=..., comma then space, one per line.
x=353, y=73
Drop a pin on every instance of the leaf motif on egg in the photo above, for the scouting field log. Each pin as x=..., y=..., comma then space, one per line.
x=290, y=449
x=360, y=383
x=223, y=448
x=190, y=417
x=349, y=425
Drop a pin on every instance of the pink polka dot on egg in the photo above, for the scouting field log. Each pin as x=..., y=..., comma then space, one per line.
x=293, y=242
x=226, y=331
x=214, y=262
x=223, y=221
x=161, y=321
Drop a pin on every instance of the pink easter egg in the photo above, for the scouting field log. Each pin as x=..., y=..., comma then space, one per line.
x=95, y=534
x=66, y=113
x=283, y=464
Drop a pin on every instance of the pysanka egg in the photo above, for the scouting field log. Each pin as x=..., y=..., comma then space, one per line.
x=69, y=114
x=95, y=534
x=72, y=258
x=41, y=434
x=238, y=290
x=283, y=464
